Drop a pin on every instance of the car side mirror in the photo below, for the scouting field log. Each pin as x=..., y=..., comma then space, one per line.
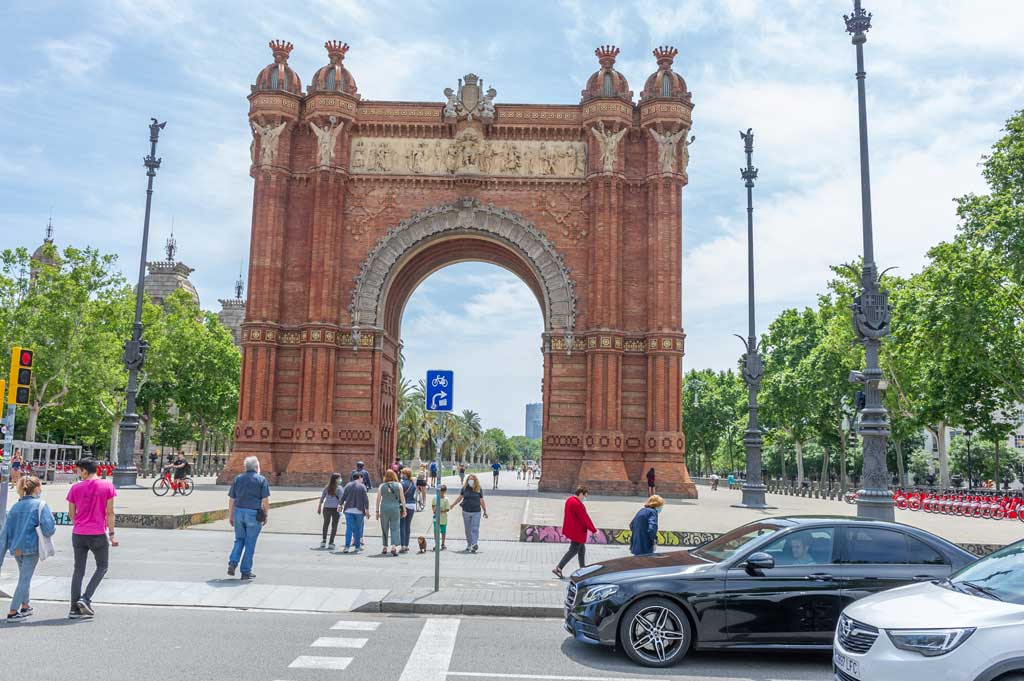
x=759, y=561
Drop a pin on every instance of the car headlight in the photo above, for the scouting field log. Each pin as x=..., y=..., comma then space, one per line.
x=929, y=642
x=599, y=592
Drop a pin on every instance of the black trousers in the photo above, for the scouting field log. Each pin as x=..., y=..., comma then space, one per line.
x=83, y=545
x=331, y=517
x=406, y=526
x=575, y=549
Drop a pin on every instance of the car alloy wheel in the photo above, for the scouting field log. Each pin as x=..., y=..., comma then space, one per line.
x=655, y=632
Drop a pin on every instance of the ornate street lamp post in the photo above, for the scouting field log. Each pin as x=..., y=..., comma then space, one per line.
x=126, y=474
x=753, y=487
x=970, y=464
x=871, y=317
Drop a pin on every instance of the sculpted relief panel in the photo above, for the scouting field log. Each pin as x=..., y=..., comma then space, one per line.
x=468, y=154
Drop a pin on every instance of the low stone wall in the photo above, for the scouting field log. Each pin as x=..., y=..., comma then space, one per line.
x=552, y=534
x=180, y=521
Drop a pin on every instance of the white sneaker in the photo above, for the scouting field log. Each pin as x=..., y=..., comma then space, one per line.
x=330, y=547
x=323, y=545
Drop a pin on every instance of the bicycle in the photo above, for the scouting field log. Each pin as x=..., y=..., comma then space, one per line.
x=166, y=483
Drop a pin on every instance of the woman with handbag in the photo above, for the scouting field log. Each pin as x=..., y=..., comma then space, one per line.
x=26, y=536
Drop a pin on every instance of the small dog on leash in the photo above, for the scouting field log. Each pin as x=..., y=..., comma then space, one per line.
x=423, y=545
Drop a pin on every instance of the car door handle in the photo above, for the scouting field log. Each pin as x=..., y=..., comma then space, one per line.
x=819, y=576
x=923, y=578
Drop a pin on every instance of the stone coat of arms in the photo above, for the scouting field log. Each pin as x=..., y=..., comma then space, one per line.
x=470, y=101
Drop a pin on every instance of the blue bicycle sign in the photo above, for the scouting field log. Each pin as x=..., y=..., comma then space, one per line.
x=440, y=390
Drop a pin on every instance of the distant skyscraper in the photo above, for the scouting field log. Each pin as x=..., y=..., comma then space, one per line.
x=534, y=420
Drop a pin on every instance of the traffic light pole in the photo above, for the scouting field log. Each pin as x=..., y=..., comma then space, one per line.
x=5, y=462
x=437, y=517
x=125, y=473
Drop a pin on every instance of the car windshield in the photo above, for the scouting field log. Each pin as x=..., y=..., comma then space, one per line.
x=999, y=575
x=730, y=543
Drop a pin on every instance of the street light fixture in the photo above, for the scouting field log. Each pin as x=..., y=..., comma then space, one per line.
x=125, y=473
x=871, y=316
x=753, y=369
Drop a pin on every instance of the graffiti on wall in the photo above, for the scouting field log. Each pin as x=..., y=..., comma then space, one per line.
x=550, y=534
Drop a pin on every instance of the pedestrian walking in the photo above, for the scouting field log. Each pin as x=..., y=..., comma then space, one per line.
x=355, y=504
x=26, y=536
x=730, y=481
x=248, y=511
x=714, y=482
x=650, y=482
x=361, y=471
x=433, y=474
x=409, y=497
x=390, y=511
x=644, y=527
x=472, y=499
x=442, y=519
x=462, y=474
x=495, y=472
x=421, y=490
x=330, y=506
x=91, y=509
x=576, y=524
x=17, y=461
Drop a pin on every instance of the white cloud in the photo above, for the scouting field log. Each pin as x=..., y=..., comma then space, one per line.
x=78, y=56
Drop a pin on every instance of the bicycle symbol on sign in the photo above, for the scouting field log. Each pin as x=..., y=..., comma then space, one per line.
x=439, y=381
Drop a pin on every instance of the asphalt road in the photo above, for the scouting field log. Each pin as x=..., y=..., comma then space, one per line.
x=196, y=644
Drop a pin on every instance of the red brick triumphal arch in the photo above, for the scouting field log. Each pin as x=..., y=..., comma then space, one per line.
x=356, y=202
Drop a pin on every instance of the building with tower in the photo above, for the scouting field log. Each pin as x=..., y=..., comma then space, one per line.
x=232, y=311
x=164, y=277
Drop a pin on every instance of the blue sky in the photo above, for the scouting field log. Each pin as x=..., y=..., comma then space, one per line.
x=83, y=78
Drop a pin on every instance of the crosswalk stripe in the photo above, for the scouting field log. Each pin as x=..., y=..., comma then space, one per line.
x=315, y=662
x=331, y=642
x=348, y=625
x=432, y=654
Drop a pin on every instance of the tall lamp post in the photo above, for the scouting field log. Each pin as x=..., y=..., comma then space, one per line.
x=125, y=473
x=753, y=487
x=970, y=465
x=871, y=317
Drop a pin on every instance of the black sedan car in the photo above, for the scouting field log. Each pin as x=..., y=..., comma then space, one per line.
x=774, y=583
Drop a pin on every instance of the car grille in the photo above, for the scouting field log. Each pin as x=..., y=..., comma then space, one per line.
x=855, y=636
x=570, y=596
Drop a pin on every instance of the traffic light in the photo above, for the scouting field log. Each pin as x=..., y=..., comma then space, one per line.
x=20, y=377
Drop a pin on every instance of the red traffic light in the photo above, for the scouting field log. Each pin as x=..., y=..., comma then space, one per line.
x=26, y=358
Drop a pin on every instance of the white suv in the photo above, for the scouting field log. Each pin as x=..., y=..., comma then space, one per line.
x=969, y=627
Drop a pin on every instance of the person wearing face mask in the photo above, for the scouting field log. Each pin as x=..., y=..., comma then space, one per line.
x=575, y=525
x=644, y=527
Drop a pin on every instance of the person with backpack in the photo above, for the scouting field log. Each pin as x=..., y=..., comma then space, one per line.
x=26, y=536
x=356, y=509
x=433, y=474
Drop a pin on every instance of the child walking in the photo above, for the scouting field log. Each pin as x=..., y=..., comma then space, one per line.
x=446, y=505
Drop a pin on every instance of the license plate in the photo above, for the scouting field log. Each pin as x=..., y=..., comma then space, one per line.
x=846, y=664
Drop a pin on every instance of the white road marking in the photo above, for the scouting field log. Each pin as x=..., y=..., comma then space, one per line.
x=552, y=677
x=329, y=642
x=432, y=654
x=347, y=625
x=314, y=662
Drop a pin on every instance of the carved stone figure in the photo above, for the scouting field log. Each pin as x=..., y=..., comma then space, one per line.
x=686, y=152
x=667, y=148
x=437, y=161
x=451, y=108
x=381, y=157
x=325, y=140
x=467, y=148
x=358, y=156
x=269, y=135
x=416, y=157
x=487, y=106
x=609, y=143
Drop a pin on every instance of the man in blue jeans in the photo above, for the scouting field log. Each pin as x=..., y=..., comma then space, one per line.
x=248, y=508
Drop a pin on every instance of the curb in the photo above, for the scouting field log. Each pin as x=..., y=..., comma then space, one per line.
x=403, y=607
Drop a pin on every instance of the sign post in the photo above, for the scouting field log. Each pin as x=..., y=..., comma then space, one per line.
x=439, y=398
x=5, y=458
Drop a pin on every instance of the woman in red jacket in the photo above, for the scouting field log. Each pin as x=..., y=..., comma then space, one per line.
x=575, y=526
